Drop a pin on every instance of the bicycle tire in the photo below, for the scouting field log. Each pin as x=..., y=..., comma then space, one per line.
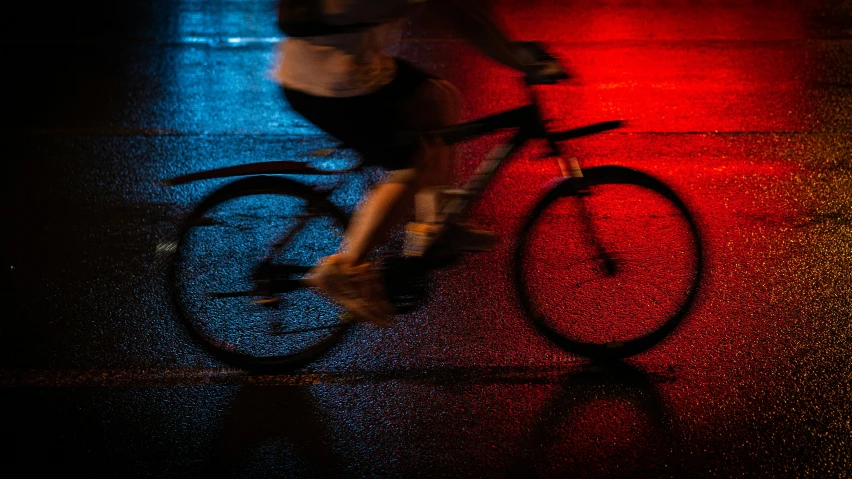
x=633, y=221
x=245, y=210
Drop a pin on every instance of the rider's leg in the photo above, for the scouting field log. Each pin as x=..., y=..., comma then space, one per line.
x=435, y=104
x=430, y=199
x=440, y=171
x=380, y=210
x=347, y=276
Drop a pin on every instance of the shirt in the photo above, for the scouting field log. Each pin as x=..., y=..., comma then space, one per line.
x=347, y=64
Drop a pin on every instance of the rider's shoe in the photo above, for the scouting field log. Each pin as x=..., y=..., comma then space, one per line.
x=467, y=238
x=461, y=237
x=357, y=288
x=430, y=213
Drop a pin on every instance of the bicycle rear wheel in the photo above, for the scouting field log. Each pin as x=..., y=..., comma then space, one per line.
x=608, y=274
x=235, y=276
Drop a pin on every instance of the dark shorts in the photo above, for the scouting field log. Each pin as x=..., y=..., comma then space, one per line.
x=371, y=124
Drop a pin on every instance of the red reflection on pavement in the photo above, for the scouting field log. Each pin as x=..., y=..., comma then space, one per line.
x=712, y=96
x=680, y=68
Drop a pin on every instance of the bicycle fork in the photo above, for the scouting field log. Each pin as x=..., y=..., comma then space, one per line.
x=572, y=172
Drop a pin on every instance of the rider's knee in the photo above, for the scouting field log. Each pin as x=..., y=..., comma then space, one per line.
x=451, y=102
x=438, y=104
x=407, y=176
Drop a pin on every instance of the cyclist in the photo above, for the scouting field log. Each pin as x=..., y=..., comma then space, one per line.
x=345, y=83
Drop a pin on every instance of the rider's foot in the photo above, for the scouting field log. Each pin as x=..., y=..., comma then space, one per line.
x=462, y=237
x=468, y=238
x=357, y=288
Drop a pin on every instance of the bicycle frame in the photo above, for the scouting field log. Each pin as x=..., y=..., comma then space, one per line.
x=526, y=120
x=529, y=124
x=270, y=278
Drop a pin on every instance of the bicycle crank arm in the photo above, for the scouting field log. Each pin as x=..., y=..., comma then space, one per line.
x=277, y=286
x=282, y=332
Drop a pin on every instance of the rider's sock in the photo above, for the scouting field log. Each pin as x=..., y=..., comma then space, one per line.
x=428, y=204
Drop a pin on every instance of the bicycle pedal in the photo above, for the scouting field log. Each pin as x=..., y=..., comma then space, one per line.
x=451, y=193
x=268, y=302
x=418, y=238
x=474, y=240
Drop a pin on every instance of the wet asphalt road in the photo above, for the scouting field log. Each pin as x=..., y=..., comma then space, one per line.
x=742, y=107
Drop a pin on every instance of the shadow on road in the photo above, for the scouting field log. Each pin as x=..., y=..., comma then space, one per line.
x=599, y=417
x=263, y=414
x=615, y=419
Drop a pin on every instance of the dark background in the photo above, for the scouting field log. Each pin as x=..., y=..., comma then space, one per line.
x=743, y=107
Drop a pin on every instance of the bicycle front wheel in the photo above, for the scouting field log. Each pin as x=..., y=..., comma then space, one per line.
x=235, y=275
x=609, y=272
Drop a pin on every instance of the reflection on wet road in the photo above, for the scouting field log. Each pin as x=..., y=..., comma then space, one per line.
x=743, y=108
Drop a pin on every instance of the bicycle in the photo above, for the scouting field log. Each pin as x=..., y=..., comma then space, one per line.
x=262, y=316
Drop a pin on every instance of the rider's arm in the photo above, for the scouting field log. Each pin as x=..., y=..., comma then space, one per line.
x=476, y=24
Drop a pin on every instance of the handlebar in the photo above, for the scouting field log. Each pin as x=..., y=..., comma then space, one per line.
x=548, y=69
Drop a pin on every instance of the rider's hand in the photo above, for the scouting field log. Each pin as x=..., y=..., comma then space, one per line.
x=540, y=68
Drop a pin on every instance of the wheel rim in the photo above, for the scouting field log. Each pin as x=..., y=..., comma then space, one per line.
x=566, y=289
x=287, y=327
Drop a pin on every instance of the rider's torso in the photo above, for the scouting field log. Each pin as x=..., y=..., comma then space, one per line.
x=347, y=64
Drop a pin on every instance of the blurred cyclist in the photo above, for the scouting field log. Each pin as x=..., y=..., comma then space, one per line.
x=335, y=72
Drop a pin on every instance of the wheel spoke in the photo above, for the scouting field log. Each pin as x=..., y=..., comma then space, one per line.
x=611, y=273
x=247, y=309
